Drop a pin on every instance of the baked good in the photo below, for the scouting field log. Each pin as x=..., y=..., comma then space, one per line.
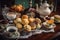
x=27, y=28
x=50, y=21
x=33, y=25
x=31, y=19
x=18, y=20
x=15, y=21
x=25, y=21
x=37, y=20
x=19, y=26
x=57, y=18
x=25, y=17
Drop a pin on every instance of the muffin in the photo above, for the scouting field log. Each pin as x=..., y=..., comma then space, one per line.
x=25, y=20
x=25, y=17
x=19, y=26
x=18, y=20
x=33, y=26
x=27, y=28
x=57, y=18
x=37, y=20
x=15, y=22
x=31, y=19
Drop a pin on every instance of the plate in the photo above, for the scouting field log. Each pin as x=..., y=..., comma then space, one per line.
x=57, y=21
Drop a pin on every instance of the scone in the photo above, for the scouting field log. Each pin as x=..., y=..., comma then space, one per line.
x=31, y=19
x=25, y=17
x=25, y=20
x=37, y=20
x=27, y=28
x=33, y=26
x=18, y=20
x=19, y=26
x=15, y=22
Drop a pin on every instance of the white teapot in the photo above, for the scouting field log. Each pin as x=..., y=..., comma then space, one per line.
x=44, y=9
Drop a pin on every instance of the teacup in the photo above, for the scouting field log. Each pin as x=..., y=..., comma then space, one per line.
x=13, y=32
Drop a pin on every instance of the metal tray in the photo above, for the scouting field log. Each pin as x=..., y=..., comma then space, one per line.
x=33, y=32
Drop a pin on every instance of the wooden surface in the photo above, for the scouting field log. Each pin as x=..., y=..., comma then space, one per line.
x=44, y=36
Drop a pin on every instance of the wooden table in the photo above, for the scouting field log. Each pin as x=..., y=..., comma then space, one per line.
x=44, y=36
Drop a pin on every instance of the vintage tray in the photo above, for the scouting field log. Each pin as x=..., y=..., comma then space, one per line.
x=27, y=35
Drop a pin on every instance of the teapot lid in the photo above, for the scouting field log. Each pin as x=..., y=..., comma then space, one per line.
x=45, y=4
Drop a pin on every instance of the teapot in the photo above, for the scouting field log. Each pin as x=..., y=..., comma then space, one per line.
x=44, y=9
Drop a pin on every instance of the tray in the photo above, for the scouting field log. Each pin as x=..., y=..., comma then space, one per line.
x=33, y=32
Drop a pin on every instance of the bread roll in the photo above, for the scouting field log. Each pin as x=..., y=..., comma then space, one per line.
x=57, y=16
x=31, y=19
x=18, y=25
x=33, y=26
x=25, y=21
x=28, y=27
x=50, y=21
x=38, y=20
x=24, y=17
x=38, y=26
x=15, y=21
x=18, y=20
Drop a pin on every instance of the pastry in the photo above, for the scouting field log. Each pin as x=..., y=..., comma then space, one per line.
x=38, y=23
x=18, y=20
x=25, y=17
x=50, y=21
x=31, y=19
x=33, y=26
x=15, y=21
x=57, y=18
x=37, y=20
x=38, y=26
x=27, y=28
x=19, y=26
x=25, y=20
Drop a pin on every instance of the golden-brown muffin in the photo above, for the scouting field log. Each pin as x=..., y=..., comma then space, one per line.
x=31, y=19
x=19, y=26
x=38, y=26
x=33, y=26
x=15, y=21
x=25, y=21
x=19, y=8
x=25, y=17
x=37, y=20
x=18, y=20
x=50, y=21
x=27, y=28
x=57, y=18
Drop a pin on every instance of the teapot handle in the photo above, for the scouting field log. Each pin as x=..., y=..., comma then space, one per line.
x=51, y=7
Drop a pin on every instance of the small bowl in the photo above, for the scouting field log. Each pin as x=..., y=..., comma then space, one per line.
x=50, y=26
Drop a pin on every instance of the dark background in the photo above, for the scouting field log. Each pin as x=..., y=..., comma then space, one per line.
x=11, y=2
